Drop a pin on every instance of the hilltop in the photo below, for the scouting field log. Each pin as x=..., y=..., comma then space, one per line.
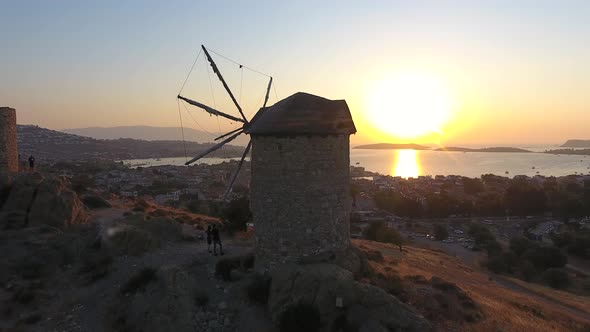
x=392, y=146
x=147, y=133
x=51, y=145
x=576, y=143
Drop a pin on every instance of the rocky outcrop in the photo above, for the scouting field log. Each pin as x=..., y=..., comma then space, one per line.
x=33, y=200
x=340, y=300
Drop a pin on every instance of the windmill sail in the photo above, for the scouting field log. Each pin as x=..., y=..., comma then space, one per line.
x=210, y=110
x=213, y=148
x=227, y=134
x=231, y=184
x=216, y=71
x=267, y=93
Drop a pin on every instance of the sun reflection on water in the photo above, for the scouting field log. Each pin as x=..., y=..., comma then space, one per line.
x=406, y=164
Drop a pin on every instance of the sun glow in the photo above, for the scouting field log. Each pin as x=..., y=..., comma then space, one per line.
x=406, y=164
x=409, y=105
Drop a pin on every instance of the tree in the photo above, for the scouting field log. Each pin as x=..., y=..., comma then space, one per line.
x=378, y=231
x=544, y=257
x=519, y=245
x=556, y=278
x=237, y=213
x=440, y=232
x=472, y=186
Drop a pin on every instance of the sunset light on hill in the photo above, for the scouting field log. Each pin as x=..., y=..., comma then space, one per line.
x=409, y=105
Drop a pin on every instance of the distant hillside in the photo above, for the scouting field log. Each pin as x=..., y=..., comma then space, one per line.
x=576, y=143
x=147, y=133
x=494, y=149
x=51, y=145
x=392, y=146
x=579, y=152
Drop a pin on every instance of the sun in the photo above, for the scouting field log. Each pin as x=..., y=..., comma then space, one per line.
x=409, y=104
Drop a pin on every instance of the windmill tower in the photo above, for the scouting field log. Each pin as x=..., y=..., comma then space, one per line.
x=300, y=164
x=8, y=149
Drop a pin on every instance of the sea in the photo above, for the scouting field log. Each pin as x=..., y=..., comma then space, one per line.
x=414, y=163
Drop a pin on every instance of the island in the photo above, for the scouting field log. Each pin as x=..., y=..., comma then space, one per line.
x=493, y=149
x=576, y=143
x=578, y=152
x=392, y=146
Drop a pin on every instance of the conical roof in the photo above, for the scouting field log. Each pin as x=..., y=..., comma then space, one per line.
x=303, y=114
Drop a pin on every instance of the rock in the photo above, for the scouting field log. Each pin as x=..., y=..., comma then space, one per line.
x=19, y=200
x=56, y=205
x=95, y=202
x=36, y=200
x=321, y=284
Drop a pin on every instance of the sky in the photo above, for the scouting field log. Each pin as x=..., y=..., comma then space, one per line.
x=517, y=72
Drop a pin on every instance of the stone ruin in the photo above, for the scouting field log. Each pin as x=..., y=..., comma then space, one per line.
x=300, y=186
x=8, y=149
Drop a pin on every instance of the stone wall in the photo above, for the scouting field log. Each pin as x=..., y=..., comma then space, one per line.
x=300, y=197
x=8, y=150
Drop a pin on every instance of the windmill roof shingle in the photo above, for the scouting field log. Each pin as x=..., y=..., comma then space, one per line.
x=303, y=114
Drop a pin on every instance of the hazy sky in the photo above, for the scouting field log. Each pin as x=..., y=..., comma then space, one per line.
x=517, y=71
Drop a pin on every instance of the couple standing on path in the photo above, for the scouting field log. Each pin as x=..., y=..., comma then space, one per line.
x=213, y=234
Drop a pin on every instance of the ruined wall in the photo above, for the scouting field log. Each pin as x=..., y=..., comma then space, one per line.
x=300, y=197
x=8, y=150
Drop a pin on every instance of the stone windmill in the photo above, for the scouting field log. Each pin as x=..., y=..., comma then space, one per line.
x=300, y=164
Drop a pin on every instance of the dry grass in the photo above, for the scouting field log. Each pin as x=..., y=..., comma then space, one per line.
x=156, y=210
x=504, y=309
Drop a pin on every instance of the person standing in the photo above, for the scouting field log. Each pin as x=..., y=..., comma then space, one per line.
x=31, y=163
x=216, y=241
x=209, y=233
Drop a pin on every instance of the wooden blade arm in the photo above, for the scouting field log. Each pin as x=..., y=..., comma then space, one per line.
x=213, y=148
x=210, y=110
x=267, y=92
x=231, y=184
x=218, y=73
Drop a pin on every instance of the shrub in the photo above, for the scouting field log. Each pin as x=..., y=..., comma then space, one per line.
x=493, y=247
x=224, y=267
x=546, y=257
x=556, y=278
x=527, y=271
x=248, y=262
x=201, y=298
x=378, y=231
x=300, y=317
x=237, y=214
x=95, y=202
x=440, y=232
x=259, y=289
x=519, y=245
x=496, y=264
x=96, y=265
x=139, y=281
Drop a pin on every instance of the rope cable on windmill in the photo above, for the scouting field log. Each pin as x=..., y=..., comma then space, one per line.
x=233, y=134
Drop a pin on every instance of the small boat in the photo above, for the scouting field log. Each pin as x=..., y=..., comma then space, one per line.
x=533, y=167
x=506, y=172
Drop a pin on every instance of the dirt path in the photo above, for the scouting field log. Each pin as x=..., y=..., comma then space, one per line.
x=84, y=307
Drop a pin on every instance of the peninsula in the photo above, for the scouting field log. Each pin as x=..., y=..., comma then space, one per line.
x=576, y=143
x=392, y=146
x=493, y=149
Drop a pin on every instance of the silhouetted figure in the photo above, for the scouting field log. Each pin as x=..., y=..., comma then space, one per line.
x=216, y=241
x=209, y=231
x=31, y=163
